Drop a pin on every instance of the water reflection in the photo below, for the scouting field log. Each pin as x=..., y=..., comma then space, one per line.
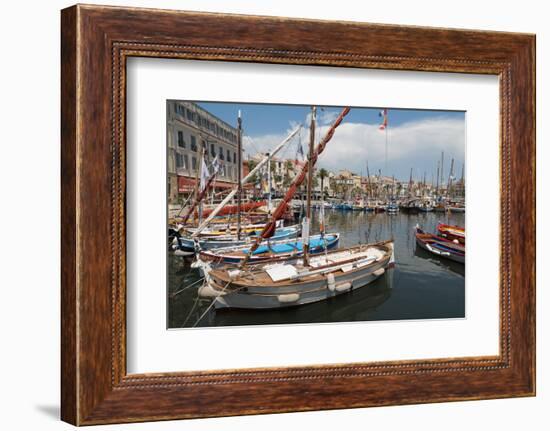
x=421, y=286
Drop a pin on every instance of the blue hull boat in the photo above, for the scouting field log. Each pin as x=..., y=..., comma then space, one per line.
x=186, y=245
x=274, y=250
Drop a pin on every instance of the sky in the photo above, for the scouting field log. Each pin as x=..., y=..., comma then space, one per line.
x=415, y=138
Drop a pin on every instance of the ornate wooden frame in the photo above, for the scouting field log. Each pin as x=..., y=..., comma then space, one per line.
x=95, y=43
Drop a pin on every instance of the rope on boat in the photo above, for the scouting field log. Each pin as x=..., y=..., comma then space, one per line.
x=192, y=309
x=269, y=228
x=173, y=295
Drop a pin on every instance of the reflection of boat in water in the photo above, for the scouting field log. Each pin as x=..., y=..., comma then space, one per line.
x=271, y=251
x=357, y=305
x=307, y=280
x=440, y=246
x=450, y=265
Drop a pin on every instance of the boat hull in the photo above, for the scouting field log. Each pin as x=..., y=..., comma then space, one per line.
x=217, y=257
x=187, y=244
x=292, y=293
x=440, y=247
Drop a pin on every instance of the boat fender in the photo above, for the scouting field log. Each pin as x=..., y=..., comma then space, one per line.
x=288, y=297
x=233, y=274
x=197, y=263
x=330, y=282
x=379, y=272
x=343, y=287
x=207, y=291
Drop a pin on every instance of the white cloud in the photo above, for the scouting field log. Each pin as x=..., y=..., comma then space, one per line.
x=416, y=144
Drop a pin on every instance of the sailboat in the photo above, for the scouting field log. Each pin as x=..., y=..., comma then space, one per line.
x=274, y=250
x=186, y=245
x=187, y=242
x=454, y=233
x=307, y=280
x=439, y=246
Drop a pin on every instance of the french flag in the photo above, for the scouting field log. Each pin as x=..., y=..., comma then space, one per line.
x=384, y=114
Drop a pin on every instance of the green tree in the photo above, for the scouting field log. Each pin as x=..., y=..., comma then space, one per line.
x=322, y=174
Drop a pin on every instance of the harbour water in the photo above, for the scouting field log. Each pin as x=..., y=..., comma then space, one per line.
x=421, y=286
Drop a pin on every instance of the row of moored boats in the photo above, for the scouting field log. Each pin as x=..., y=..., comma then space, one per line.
x=257, y=263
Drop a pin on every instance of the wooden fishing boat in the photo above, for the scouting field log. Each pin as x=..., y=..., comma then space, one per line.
x=380, y=208
x=440, y=246
x=282, y=285
x=294, y=281
x=456, y=208
x=425, y=206
x=344, y=206
x=454, y=233
x=272, y=251
x=186, y=245
x=218, y=230
x=411, y=206
x=392, y=208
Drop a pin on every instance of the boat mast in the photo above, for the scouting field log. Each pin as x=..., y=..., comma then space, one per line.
x=450, y=183
x=437, y=182
x=368, y=181
x=269, y=228
x=239, y=174
x=269, y=183
x=410, y=183
x=424, y=185
x=305, y=229
x=245, y=180
x=442, y=169
x=200, y=173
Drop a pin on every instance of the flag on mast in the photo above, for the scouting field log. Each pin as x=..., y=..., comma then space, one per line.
x=205, y=174
x=215, y=165
x=384, y=114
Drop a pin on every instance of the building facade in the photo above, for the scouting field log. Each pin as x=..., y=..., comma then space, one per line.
x=192, y=130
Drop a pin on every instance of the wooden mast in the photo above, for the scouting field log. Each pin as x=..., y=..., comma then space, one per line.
x=268, y=183
x=437, y=182
x=307, y=221
x=450, y=183
x=269, y=228
x=368, y=181
x=410, y=183
x=245, y=180
x=239, y=174
x=200, y=173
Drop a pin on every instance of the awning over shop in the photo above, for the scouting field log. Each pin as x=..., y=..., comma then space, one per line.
x=187, y=185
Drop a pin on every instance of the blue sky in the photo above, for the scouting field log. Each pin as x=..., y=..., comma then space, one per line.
x=415, y=137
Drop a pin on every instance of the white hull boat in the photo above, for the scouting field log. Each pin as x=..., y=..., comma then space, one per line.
x=291, y=284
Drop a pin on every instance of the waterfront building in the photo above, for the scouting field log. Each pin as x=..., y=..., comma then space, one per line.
x=191, y=130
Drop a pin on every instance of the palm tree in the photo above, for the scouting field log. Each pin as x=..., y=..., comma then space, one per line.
x=323, y=173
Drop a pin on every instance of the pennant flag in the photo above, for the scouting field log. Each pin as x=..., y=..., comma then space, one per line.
x=215, y=165
x=384, y=114
x=300, y=151
x=204, y=175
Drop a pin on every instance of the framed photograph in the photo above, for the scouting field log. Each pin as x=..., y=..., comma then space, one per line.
x=266, y=215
